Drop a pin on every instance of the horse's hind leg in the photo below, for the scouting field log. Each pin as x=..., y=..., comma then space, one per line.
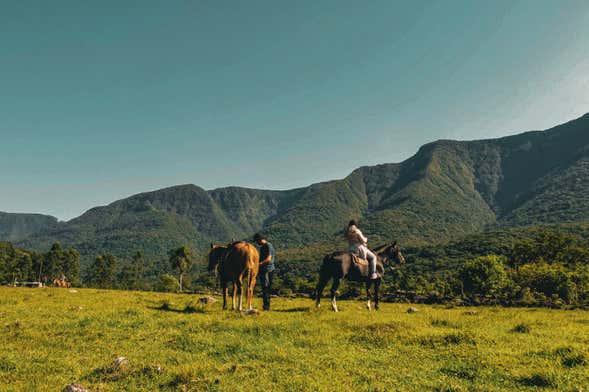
x=234, y=299
x=334, y=287
x=368, y=284
x=250, y=289
x=240, y=289
x=225, y=294
x=377, y=283
x=319, y=290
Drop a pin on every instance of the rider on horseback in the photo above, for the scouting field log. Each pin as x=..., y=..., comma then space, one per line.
x=357, y=245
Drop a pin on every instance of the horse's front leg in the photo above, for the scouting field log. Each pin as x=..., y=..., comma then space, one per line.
x=368, y=284
x=334, y=288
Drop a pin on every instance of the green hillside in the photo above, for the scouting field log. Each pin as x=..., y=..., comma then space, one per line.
x=447, y=190
x=15, y=227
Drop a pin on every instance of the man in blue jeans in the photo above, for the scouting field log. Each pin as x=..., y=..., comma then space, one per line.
x=267, y=266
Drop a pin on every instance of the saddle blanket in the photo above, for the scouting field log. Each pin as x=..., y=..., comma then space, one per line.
x=358, y=260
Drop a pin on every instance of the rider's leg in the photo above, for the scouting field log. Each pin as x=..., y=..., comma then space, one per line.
x=371, y=257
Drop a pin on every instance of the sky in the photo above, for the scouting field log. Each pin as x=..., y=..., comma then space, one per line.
x=102, y=100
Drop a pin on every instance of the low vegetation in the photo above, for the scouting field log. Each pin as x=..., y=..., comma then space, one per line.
x=144, y=341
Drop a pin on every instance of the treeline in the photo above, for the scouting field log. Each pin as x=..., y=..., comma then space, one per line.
x=105, y=271
x=17, y=265
x=516, y=267
x=540, y=268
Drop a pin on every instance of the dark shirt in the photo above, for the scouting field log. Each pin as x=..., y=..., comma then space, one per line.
x=265, y=250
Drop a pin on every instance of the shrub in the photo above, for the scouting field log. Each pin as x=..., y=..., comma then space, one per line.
x=484, y=275
x=169, y=283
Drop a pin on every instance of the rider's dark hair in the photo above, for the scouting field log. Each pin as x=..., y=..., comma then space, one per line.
x=259, y=237
x=353, y=223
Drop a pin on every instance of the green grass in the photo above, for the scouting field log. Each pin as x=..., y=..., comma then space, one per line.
x=53, y=337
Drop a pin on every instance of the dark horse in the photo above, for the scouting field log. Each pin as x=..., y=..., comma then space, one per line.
x=340, y=265
x=234, y=263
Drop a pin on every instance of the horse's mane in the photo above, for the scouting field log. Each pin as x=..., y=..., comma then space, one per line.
x=380, y=248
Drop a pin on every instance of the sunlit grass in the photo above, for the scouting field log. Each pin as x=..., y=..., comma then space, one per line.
x=54, y=337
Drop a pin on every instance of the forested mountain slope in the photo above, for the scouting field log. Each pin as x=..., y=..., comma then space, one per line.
x=446, y=190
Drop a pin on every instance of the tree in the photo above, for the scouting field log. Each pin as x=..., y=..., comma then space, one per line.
x=138, y=270
x=53, y=262
x=22, y=266
x=483, y=275
x=71, y=265
x=181, y=260
x=102, y=272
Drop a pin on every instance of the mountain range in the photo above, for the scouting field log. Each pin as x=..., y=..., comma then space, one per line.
x=447, y=190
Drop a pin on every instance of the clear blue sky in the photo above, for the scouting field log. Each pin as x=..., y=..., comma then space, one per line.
x=101, y=100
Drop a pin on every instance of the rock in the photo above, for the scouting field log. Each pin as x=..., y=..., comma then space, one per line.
x=120, y=363
x=73, y=291
x=470, y=313
x=75, y=388
x=412, y=310
x=251, y=312
x=207, y=300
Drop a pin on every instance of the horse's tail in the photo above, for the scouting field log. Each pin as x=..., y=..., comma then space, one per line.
x=324, y=264
x=252, y=263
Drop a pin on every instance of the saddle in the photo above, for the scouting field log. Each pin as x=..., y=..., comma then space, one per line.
x=358, y=260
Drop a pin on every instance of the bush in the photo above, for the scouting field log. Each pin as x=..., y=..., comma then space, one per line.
x=546, y=280
x=169, y=283
x=484, y=275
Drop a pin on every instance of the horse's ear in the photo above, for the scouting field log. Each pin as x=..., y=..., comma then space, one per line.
x=394, y=243
x=212, y=246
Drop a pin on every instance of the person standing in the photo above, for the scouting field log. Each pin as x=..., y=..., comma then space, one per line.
x=267, y=266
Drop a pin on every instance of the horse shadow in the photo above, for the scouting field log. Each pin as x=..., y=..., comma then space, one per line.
x=301, y=309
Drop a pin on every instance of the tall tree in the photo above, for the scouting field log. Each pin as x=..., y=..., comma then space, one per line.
x=181, y=260
x=102, y=272
x=71, y=265
x=139, y=271
x=53, y=263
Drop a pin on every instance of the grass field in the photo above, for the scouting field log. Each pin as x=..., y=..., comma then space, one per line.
x=53, y=337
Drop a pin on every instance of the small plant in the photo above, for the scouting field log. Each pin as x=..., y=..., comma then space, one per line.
x=521, y=328
x=462, y=370
x=539, y=380
x=570, y=358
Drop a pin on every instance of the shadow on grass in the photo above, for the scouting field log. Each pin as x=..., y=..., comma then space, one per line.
x=166, y=307
x=302, y=309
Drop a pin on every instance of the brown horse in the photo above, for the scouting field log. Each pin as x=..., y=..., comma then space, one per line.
x=61, y=283
x=340, y=265
x=233, y=263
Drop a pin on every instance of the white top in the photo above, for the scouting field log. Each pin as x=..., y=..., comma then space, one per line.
x=355, y=236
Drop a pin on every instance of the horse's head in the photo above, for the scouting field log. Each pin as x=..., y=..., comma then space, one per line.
x=392, y=253
x=216, y=254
